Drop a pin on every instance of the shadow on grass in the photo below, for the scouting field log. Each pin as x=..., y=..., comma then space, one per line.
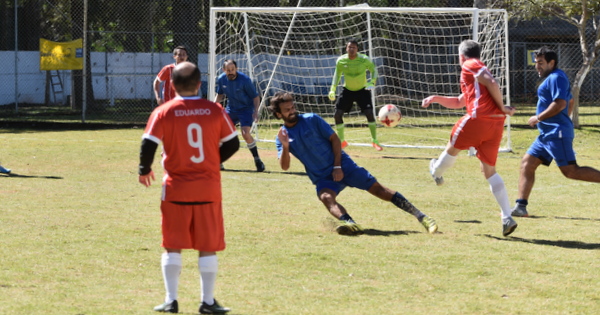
x=468, y=221
x=374, y=232
x=576, y=218
x=13, y=174
x=559, y=243
x=535, y=217
x=265, y=172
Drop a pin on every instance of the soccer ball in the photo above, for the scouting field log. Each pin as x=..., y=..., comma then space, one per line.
x=389, y=115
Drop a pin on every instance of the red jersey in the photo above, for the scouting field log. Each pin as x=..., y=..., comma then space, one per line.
x=480, y=103
x=191, y=130
x=168, y=92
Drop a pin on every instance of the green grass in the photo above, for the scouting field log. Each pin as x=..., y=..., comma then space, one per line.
x=80, y=235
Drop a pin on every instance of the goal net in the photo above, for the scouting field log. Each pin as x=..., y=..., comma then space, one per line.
x=415, y=51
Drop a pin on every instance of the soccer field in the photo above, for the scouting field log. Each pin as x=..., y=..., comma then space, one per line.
x=80, y=235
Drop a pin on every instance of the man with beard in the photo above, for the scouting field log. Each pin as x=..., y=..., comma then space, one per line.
x=164, y=77
x=555, y=142
x=312, y=141
x=242, y=104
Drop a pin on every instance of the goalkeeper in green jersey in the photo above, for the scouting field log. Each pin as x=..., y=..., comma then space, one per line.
x=357, y=88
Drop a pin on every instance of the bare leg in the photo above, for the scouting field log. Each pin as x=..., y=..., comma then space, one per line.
x=529, y=165
x=246, y=134
x=327, y=197
x=381, y=192
x=583, y=173
x=396, y=198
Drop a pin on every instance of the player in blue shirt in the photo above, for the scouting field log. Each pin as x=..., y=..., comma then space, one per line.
x=242, y=103
x=312, y=141
x=555, y=142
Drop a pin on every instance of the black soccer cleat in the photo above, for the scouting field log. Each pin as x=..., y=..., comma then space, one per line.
x=215, y=308
x=260, y=166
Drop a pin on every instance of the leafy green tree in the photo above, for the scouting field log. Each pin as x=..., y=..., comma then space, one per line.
x=583, y=14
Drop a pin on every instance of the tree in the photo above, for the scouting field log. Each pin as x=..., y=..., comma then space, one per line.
x=583, y=14
x=186, y=22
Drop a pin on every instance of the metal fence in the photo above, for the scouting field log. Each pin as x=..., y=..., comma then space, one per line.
x=129, y=42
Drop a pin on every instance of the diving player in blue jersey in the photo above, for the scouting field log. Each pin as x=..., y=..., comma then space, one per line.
x=312, y=141
x=555, y=142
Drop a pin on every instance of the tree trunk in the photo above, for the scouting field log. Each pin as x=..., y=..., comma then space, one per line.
x=575, y=116
x=576, y=88
x=590, y=46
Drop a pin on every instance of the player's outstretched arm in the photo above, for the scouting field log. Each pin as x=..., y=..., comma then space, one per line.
x=284, y=156
x=452, y=102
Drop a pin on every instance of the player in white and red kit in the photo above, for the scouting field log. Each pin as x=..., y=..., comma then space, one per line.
x=197, y=135
x=481, y=127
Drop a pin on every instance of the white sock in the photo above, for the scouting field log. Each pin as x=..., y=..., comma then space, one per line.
x=171, y=269
x=499, y=190
x=444, y=162
x=208, y=267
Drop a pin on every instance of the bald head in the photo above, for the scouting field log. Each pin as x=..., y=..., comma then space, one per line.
x=186, y=78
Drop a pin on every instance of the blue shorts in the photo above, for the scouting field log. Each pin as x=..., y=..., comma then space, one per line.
x=354, y=176
x=243, y=117
x=559, y=149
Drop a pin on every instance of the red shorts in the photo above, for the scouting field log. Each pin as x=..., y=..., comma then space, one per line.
x=198, y=227
x=484, y=135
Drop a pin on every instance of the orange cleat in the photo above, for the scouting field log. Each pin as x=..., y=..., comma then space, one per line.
x=377, y=146
x=344, y=144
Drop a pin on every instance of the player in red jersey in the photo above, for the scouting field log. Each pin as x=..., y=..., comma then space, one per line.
x=481, y=127
x=164, y=76
x=197, y=135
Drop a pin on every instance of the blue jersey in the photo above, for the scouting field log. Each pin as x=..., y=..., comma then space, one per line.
x=240, y=92
x=309, y=143
x=555, y=86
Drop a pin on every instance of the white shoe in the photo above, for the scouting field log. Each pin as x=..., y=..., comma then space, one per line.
x=508, y=226
x=438, y=180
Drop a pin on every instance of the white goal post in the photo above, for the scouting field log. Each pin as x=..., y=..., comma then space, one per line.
x=415, y=51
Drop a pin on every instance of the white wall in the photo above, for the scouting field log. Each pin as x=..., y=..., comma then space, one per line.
x=114, y=75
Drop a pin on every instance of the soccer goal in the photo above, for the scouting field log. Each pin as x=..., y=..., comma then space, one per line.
x=415, y=51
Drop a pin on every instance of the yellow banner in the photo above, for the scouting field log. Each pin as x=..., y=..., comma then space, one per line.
x=61, y=56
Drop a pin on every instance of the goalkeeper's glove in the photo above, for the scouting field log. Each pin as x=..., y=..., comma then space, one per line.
x=370, y=86
x=331, y=96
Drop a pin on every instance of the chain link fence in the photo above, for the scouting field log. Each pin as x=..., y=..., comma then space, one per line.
x=129, y=42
